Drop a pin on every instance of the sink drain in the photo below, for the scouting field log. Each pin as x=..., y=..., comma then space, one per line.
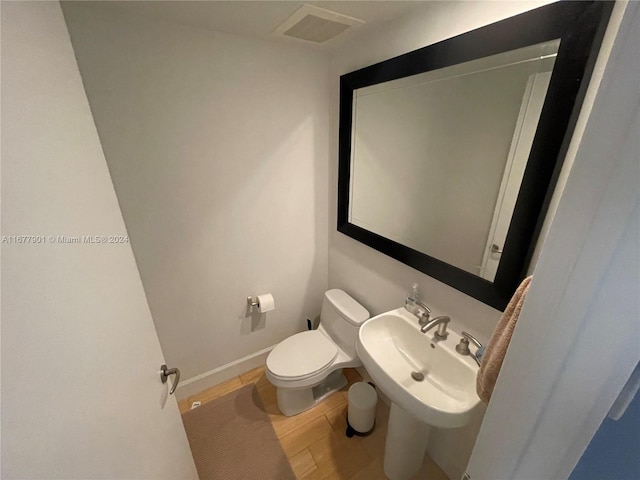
x=417, y=376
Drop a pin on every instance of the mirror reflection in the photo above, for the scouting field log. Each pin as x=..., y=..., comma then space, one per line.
x=437, y=158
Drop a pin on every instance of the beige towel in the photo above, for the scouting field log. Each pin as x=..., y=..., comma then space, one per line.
x=497, y=346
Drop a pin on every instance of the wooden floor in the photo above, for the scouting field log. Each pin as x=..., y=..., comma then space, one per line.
x=314, y=441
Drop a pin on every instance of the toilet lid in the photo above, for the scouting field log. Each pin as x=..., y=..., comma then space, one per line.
x=301, y=355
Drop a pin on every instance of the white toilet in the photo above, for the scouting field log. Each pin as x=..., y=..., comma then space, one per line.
x=307, y=366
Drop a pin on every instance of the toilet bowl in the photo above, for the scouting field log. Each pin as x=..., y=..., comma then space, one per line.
x=307, y=367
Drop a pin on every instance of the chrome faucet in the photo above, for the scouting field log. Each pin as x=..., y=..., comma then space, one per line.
x=421, y=312
x=442, y=321
x=463, y=347
x=424, y=307
x=424, y=315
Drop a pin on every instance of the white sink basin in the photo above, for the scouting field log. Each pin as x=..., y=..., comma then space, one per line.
x=391, y=347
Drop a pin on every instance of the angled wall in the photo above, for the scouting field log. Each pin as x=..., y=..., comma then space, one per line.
x=217, y=146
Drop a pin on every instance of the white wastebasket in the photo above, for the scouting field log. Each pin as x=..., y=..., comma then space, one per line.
x=361, y=414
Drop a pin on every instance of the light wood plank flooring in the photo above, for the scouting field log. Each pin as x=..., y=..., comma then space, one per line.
x=314, y=441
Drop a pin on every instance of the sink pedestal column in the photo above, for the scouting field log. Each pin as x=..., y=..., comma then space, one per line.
x=405, y=445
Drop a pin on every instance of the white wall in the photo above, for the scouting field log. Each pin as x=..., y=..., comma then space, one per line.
x=381, y=282
x=217, y=146
x=80, y=356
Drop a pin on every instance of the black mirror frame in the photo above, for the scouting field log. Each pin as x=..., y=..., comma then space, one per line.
x=580, y=26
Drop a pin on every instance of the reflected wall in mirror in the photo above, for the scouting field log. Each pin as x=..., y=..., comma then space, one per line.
x=448, y=154
x=405, y=159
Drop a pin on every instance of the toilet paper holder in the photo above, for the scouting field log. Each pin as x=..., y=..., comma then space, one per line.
x=264, y=303
x=253, y=303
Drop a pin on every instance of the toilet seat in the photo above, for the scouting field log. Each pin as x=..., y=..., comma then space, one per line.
x=302, y=355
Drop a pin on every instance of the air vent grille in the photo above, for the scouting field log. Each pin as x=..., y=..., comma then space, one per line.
x=315, y=29
x=315, y=24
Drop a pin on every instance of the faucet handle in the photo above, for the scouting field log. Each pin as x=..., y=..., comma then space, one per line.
x=423, y=317
x=463, y=347
x=473, y=339
x=423, y=312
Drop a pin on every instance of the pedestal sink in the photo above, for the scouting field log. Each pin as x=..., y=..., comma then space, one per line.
x=427, y=381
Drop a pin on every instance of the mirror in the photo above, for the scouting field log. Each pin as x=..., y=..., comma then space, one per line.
x=449, y=154
x=404, y=159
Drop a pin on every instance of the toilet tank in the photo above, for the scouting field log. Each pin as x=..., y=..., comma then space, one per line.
x=341, y=318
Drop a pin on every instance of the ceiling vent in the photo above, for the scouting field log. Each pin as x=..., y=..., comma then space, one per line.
x=315, y=24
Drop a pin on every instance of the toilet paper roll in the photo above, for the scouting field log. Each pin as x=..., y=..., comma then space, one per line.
x=266, y=303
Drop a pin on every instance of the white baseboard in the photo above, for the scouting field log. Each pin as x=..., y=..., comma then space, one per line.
x=225, y=372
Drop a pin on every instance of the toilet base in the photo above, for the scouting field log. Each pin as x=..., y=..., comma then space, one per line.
x=294, y=401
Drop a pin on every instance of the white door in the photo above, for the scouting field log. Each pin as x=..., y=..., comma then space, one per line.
x=576, y=342
x=525, y=130
x=81, y=391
